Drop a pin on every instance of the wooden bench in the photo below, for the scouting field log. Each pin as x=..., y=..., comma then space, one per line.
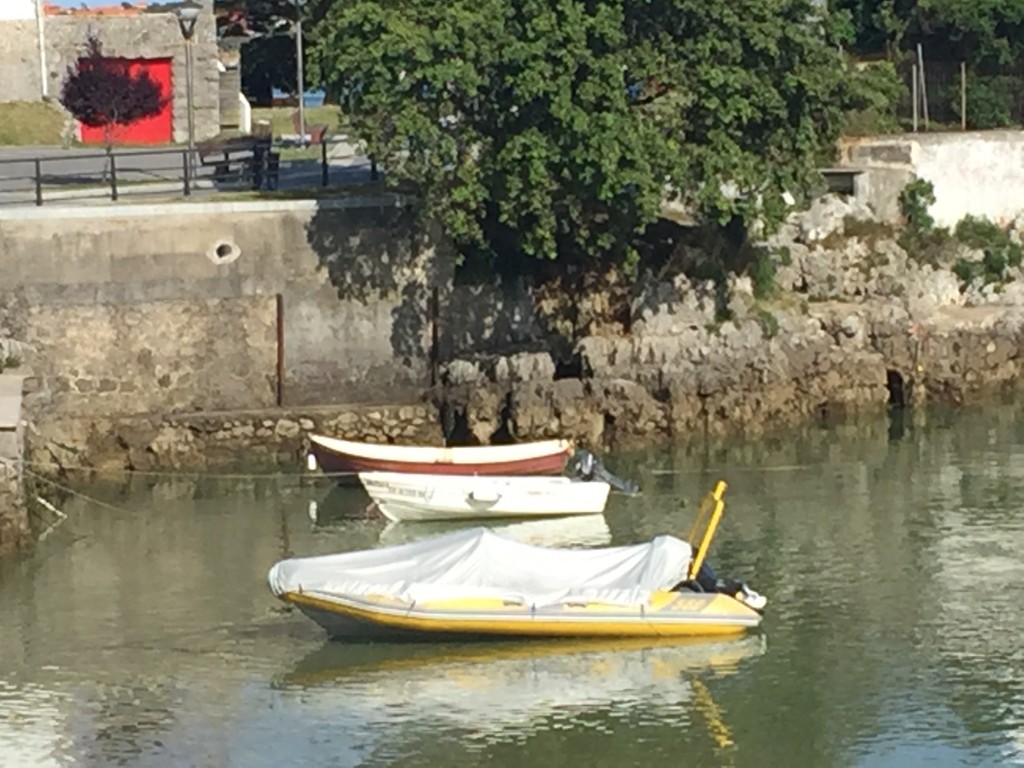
x=244, y=157
x=316, y=132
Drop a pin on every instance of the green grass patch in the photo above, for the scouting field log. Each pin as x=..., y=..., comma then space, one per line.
x=280, y=118
x=30, y=123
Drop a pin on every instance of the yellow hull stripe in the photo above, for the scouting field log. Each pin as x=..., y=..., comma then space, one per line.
x=698, y=615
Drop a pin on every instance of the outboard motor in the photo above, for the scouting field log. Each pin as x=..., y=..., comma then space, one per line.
x=708, y=581
x=587, y=466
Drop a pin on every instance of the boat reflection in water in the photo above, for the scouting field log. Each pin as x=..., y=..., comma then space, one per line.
x=341, y=506
x=578, y=531
x=500, y=691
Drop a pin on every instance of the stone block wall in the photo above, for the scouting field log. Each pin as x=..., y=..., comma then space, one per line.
x=249, y=440
x=169, y=356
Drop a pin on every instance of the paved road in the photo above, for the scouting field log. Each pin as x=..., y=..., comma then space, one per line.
x=76, y=174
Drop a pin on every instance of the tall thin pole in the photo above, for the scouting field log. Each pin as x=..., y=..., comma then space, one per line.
x=300, y=78
x=44, y=85
x=963, y=95
x=191, y=109
x=924, y=87
x=913, y=89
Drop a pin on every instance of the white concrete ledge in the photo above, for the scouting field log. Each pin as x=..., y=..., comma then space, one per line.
x=149, y=210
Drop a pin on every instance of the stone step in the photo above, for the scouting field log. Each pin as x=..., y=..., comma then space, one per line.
x=10, y=411
x=11, y=388
x=10, y=447
x=12, y=384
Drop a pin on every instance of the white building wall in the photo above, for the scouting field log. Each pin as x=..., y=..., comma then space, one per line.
x=17, y=10
x=980, y=173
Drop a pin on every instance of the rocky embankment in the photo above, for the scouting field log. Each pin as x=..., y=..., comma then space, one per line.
x=851, y=319
x=841, y=313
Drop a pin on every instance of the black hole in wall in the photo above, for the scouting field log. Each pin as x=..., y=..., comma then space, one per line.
x=223, y=251
x=897, y=391
x=455, y=425
x=503, y=434
x=609, y=429
x=573, y=368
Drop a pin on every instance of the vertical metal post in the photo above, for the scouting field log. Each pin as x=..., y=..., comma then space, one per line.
x=963, y=95
x=279, y=306
x=187, y=173
x=913, y=92
x=191, y=108
x=113, y=177
x=44, y=84
x=324, y=169
x=299, y=75
x=924, y=87
x=435, y=351
x=39, y=181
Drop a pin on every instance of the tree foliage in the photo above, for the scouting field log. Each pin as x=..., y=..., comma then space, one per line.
x=103, y=92
x=269, y=56
x=551, y=127
x=981, y=32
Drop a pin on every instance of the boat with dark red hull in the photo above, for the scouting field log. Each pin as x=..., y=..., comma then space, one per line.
x=344, y=459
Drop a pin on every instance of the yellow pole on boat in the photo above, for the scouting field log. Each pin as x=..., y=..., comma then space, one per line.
x=698, y=520
x=709, y=532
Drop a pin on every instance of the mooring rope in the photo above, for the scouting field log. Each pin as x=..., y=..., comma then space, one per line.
x=185, y=472
x=73, y=492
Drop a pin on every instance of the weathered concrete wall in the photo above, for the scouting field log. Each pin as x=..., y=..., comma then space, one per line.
x=131, y=310
x=19, y=60
x=976, y=172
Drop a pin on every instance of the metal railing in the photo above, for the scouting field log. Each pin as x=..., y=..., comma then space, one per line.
x=84, y=175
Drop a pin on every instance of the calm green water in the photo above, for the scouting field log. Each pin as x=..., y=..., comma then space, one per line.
x=892, y=554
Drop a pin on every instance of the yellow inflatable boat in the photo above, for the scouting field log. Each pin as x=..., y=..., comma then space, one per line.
x=475, y=582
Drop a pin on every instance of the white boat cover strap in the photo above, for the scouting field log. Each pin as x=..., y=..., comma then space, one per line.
x=479, y=563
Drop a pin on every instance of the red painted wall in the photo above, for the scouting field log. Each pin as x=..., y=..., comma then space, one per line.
x=153, y=130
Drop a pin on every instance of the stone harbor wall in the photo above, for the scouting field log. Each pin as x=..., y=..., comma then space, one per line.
x=153, y=352
x=257, y=440
x=14, y=527
x=14, y=523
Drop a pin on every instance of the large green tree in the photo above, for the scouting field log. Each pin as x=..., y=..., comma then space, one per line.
x=556, y=127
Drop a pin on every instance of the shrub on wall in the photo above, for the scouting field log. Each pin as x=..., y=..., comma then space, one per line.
x=877, y=91
x=989, y=100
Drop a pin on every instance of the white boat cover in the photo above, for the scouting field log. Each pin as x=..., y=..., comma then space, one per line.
x=477, y=562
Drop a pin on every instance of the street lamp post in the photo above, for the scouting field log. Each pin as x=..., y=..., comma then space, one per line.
x=188, y=13
x=299, y=77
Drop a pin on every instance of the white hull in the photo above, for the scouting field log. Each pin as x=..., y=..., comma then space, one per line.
x=404, y=497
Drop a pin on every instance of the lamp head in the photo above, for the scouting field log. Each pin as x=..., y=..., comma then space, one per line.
x=188, y=13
